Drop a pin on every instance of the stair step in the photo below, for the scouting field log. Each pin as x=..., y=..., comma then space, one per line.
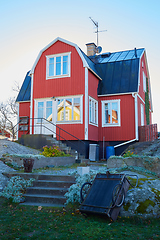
x=45, y=198
x=42, y=204
x=56, y=177
x=53, y=184
x=47, y=191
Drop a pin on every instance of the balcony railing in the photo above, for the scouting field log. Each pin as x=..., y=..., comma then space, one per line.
x=148, y=133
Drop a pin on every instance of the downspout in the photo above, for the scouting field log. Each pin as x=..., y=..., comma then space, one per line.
x=31, y=105
x=86, y=104
x=134, y=95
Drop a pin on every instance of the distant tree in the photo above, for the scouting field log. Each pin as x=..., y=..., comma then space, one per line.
x=9, y=111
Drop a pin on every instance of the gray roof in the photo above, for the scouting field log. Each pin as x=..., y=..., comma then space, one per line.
x=119, y=71
x=25, y=91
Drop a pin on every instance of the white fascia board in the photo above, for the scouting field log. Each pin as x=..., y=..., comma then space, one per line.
x=139, y=71
x=116, y=94
x=85, y=64
x=145, y=57
x=23, y=101
x=50, y=44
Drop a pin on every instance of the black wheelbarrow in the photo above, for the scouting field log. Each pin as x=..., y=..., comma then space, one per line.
x=105, y=195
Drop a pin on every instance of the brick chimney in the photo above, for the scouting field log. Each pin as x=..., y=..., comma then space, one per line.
x=91, y=49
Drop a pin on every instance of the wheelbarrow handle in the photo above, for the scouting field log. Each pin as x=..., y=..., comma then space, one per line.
x=133, y=175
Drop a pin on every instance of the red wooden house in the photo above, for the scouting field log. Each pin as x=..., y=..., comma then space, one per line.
x=94, y=97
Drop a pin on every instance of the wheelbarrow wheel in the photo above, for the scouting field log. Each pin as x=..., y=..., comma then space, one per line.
x=118, y=196
x=84, y=190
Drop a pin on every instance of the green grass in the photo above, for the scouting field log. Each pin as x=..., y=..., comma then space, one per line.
x=26, y=222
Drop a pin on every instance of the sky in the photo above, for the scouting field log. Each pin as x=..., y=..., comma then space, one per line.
x=28, y=26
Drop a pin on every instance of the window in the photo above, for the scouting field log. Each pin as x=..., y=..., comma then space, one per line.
x=40, y=111
x=93, y=111
x=69, y=109
x=144, y=82
x=111, y=113
x=58, y=66
x=44, y=110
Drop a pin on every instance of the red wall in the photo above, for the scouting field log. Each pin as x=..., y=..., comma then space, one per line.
x=141, y=92
x=73, y=85
x=24, y=110
x=126, y=131
x=92, y=92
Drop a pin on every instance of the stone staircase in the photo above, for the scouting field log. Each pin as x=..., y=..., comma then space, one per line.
x=68, y=150
x=48, y=190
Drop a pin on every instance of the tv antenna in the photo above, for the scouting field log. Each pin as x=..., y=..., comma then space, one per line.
x=97, y=31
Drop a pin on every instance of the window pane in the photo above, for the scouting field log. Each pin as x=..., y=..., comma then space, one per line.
x=96, y=112
x=51, y=67
x=60, y=110
x=58, y=65
x=49, y=110
x=76, y=109
x=115, y=112
x=40, y=111
x=65, y=64
x=107, y=113
x=68, y=109
x=90, y=110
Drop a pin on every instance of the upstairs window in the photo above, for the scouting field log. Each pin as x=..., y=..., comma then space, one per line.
x=111, y=113
x=58, y=66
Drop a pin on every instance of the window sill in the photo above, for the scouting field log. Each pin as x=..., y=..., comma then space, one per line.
x=58, y=76
x=93, y=124
x=111, y=125
x=68, y=122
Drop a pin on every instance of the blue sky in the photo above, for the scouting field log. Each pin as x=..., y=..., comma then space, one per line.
x=28, y=26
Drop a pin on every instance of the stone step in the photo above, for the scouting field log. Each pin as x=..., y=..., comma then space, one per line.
x=43, y=198
x=52, y=184
x=46, y=191
x=55, y=177
x=42, y=204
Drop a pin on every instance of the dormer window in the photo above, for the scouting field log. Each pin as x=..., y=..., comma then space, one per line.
x=58, y=66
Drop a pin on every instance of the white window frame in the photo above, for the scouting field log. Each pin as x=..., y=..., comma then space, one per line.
x=103, y=113
x=61, y=75
x=93, y=111
x=142, y=114
x=144, y=82
x=44, y=108
x=81, y=110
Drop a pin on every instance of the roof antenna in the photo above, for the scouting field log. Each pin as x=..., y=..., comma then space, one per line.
x=96, y=24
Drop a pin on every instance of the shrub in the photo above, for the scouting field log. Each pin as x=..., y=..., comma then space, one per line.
x=53, y=152
x=15, y=189
x=128, y=154
x=73, y=194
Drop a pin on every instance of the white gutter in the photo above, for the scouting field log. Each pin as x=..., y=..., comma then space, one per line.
x=31, y=104
x=121, y=144
x=136, y=115
x=134, y=95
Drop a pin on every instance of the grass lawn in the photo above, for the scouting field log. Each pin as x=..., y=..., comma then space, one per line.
x=26, y=222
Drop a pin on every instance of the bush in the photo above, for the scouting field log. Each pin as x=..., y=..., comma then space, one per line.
x=128, y=154
x=73, y=194
x=53, y=152
x=15, y=189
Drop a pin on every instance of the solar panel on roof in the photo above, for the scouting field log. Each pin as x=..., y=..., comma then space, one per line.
x=114, y=57
x=122, y=56
x=130, y=55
